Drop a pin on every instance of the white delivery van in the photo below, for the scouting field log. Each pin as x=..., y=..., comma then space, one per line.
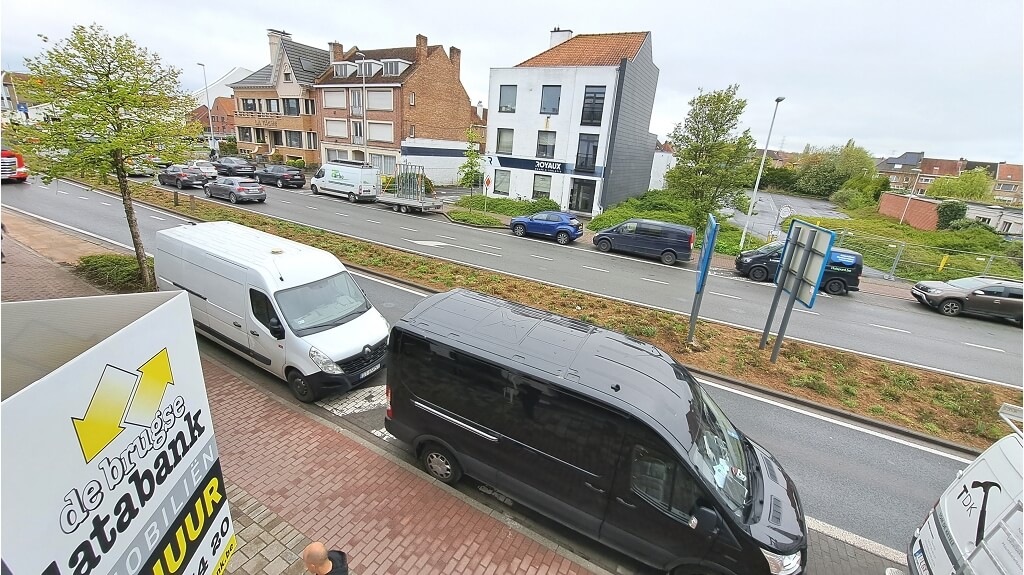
x=291, y=309
x=977, y=524
x=356, y=181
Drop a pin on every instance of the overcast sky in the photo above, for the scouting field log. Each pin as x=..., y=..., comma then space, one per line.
x=939, y=76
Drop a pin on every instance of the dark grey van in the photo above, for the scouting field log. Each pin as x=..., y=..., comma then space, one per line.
x=842, y=271
x=666, y=241
x=602, y=432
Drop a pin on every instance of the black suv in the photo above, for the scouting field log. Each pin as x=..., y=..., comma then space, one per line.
x=977, y=295
x=232, y=166
x=281, y=176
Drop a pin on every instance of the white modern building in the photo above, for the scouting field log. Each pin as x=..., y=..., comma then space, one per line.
x=573, y=122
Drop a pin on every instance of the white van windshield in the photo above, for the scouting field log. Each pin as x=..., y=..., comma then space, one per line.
x=322, y=304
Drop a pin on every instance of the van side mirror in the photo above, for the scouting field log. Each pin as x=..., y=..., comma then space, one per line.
x=276, y=329
x=704, y=521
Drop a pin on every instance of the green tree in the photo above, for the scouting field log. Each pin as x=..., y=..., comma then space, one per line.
x=779, y=178
x=470, y=174
x=823, y=171
x=950, y=211
x=854, y=161
x=713, y=159
x=973, y=185
x=116, y=104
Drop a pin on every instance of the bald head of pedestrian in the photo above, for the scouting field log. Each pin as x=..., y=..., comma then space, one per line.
x=314, y=556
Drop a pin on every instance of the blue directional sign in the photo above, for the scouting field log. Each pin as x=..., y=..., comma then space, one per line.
x=706, y=250
x=802, y=270
x=23, y=108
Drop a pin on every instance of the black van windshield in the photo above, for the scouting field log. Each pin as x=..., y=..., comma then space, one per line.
x=770, y=248
x=322, y=304
x=717, y=452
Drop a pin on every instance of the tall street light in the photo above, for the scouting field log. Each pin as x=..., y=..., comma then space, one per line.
x=365, y=122
x=757, y=182
x=209, y=111
x=913, y=192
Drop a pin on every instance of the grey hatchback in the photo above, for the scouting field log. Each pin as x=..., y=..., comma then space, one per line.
x=236, y=190
x=977, y=295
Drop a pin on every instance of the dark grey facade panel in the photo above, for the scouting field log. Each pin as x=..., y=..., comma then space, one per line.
x=628, y=172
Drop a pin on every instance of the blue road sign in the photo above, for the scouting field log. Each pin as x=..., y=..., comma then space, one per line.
x=706, y=250
x=802, y=271
x=23, y=108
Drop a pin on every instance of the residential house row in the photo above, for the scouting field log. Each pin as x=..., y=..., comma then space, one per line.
x=912, y=170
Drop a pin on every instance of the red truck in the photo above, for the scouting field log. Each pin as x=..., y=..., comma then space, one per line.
x=12, y=167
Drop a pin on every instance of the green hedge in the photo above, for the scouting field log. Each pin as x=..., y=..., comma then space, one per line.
x=475, y=219
x=506, y=206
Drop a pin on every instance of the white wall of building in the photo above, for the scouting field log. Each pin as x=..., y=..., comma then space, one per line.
x=440, y=158
x=662, y=162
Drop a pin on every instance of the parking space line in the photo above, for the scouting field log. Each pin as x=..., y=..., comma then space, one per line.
x=888, y=328
x=725, y=295
x=984, y=347
x=654, y=281
x=595, y=269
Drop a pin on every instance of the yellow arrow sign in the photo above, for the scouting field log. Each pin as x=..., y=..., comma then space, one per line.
x=102, y=420
x=156, y=376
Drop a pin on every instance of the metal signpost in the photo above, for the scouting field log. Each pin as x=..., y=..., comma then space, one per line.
x=706, y=250
x=804, y=258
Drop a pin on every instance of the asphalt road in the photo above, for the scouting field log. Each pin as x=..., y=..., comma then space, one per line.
x=883, y=327
x=858, y=480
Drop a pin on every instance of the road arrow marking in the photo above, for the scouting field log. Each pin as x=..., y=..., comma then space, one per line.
x=156, y=376
x=102, y=420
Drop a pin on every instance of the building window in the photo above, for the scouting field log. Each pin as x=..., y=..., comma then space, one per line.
x=983, y=220
x=380, y=131
x=244, y=134
x=412, y=130
x=366, y=69
x=357, y=102
x=334, y=98
x=586, y=154
x=248, y=104
x=502, y=181
x=593, y=106
x=334, y=154
x=505, y=140
x=311, y=143
x=287, y=76
x=293, y=139
x=507, y=99
x=1006, y=187
x=261, y=135
x=291, y=106
x=926, y=180
x=549, y=97
x=273, y=106
x=386, y=164
x=380, y=100
x=391, y=69
x=1005, y=227
x=545, y=144
x=412, y=98
x=336, y=128
x=309, y=107
x=541, y=186
x=897, y=166
x=357, y=131
x=276, y=138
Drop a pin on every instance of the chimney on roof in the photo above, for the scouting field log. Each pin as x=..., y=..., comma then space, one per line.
x=274, y=37
x=558, y=36
x=421, y=48
x=337, y=51
x=455, y=55
x=480, y=109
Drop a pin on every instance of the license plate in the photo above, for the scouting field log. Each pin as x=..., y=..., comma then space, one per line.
x=369, y=372
x=922, y=566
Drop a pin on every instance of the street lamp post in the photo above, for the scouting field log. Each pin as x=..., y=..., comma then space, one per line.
x=365, y=122
x=757, y=182
x=913, y=192
x=209, y=111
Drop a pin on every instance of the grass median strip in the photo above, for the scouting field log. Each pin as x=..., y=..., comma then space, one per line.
x=953, y=409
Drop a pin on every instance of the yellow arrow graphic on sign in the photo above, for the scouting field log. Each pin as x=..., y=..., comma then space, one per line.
x=102, y=420
x=156, y=376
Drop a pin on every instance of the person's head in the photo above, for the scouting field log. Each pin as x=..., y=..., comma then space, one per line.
x=314, y=557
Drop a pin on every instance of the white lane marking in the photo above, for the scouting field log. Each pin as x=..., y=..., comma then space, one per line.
x=82, y=198
x=311, y=208
x=491, y=247
x=435, y=244
x=825, y=418
x=446, y=237
x=72, y=228
x=284, y=201
x=62, y=192
x=105, y=203
x=806, y=311
x=654, y=281
x=340, y=214
x=984, y=347
x=725, y=295
x=158, y=218
x=888, y=328
x=595, y=269
x=409, y=229
x=42, y=187
x=389, y=284
x=373, y=221
x=542, y=257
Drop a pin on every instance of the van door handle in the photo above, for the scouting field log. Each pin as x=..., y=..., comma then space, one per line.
x=597, y=489
x=253, y=332
x=625, y=503
x=236, y=324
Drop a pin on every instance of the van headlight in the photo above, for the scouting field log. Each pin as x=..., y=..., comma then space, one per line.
x=745, y=260
x=782, y=564
x=325, y=363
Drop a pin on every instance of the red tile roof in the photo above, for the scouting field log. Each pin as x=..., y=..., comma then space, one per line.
x=1010, y=172
x=590, y=50
x=935, y=167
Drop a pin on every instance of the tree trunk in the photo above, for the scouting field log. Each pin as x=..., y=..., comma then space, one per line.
x=145, y=273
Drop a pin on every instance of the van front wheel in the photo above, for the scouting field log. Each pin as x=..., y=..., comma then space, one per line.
x=300, y=388
x=314, y=189
x=604, y=245
x=441, y=464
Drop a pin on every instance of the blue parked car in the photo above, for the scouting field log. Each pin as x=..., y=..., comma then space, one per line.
x=562, y=226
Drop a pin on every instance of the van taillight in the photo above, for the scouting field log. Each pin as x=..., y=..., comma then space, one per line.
x=692, y=237
x=387, y=392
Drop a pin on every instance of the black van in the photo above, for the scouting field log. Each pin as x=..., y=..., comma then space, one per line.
x=604, y=433
x=669, y=242
x=842, y=272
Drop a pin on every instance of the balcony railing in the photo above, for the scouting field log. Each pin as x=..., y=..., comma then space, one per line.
x=249, y=114
x=356, y=111
x=357, y=140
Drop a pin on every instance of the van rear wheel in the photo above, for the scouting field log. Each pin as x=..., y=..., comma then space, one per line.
x=440, y=464
x=668, y=258
x=300, y=388
x=351, y=197
x=835, y=287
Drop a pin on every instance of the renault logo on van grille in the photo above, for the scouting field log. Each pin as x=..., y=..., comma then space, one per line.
x=367, y=351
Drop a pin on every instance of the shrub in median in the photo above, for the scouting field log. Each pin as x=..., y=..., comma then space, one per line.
x=115, y=272
x=507, y=206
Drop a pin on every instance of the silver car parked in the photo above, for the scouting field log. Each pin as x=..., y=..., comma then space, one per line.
x=236, y=189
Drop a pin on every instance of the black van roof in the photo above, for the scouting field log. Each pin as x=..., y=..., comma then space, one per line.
x=629, y=374
x=661, y=223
